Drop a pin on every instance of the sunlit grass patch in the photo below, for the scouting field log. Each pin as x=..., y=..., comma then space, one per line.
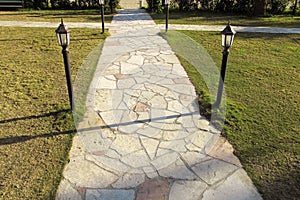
x=262, y=122
x=36, y=124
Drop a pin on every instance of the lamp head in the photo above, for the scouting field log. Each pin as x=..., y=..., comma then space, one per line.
x=63, y=35
x=227, y=36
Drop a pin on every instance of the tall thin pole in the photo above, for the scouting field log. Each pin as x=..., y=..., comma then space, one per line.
x=102, y=16
x=68, y=76
x=222, y=77
x=167, y=17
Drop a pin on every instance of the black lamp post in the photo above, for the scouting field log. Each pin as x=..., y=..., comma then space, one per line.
x=167, y=2
x=63, y=36
x=227, y=40
x=101, y=2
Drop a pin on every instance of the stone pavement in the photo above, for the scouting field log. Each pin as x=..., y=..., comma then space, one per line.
x=142, y=136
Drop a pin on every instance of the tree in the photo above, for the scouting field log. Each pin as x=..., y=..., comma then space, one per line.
x=295, y=7
x=259, y=8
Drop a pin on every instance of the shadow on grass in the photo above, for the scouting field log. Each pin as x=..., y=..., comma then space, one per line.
x=24, y=138
x=19, y=139
x=34, y=116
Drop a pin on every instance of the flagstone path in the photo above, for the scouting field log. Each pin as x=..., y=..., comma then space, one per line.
x=143, y=136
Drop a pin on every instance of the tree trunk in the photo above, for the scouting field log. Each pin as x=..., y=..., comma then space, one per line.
x=295, y=7
x=259, y=8
x=181, y=5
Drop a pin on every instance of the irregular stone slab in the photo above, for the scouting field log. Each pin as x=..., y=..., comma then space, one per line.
x=66, y=191
x=174, y=135
x=106, y=194
x=106, y=83
x=178, y=70
x=126, y=83
x=137, y=60
x=112, y=118
x=103, y=100
x=150, y=172
x=164, y=160
x=94, y=141
x=141, y=107
x=224, y=151
x=200, y=138
x=156, y=88
x=158, y=102
x=155, y=189
x=203, y=124
x=136, y=159
x=150, y=146
x=182, y=81
x=175, y=145
x=170, y=58
x=111, y=164
x=164, y=116
x=83, y=173
x=177, y=170
x=238, y=186
x=127, y=68
x=175, y=106
x=116, y=98
x=187, y=190
x=214, y=170
x=193, y=158
x=129, y=180
x=150, y=132
x=78, y=147
x=125, y=144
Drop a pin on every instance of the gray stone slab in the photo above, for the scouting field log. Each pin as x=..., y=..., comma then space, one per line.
x=67, y=192
x=106, y=194
x=187, y=190
x=214, y=170
x=177, y=170
x=137, y=159
x=126, y=144
x=129, y=180
x=84, y=173
x=238, y=186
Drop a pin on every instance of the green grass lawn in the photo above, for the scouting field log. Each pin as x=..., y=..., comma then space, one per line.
x=207, y=18
x=36, y=124
x=54, y=16
x=263, y=115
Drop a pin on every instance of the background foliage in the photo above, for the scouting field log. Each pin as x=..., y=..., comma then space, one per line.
x=250, y=7
x=68, y=4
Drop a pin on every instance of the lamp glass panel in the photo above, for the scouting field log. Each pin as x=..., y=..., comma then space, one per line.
x=64, y=39
x=223, y=40
x=101, y=2
x=231, y=40
x=167, y=1
x=227, y=40
x=58, y=39
x=68, y=38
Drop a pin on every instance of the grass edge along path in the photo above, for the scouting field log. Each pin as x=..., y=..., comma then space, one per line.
x=36, y=125
x=262, y=121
